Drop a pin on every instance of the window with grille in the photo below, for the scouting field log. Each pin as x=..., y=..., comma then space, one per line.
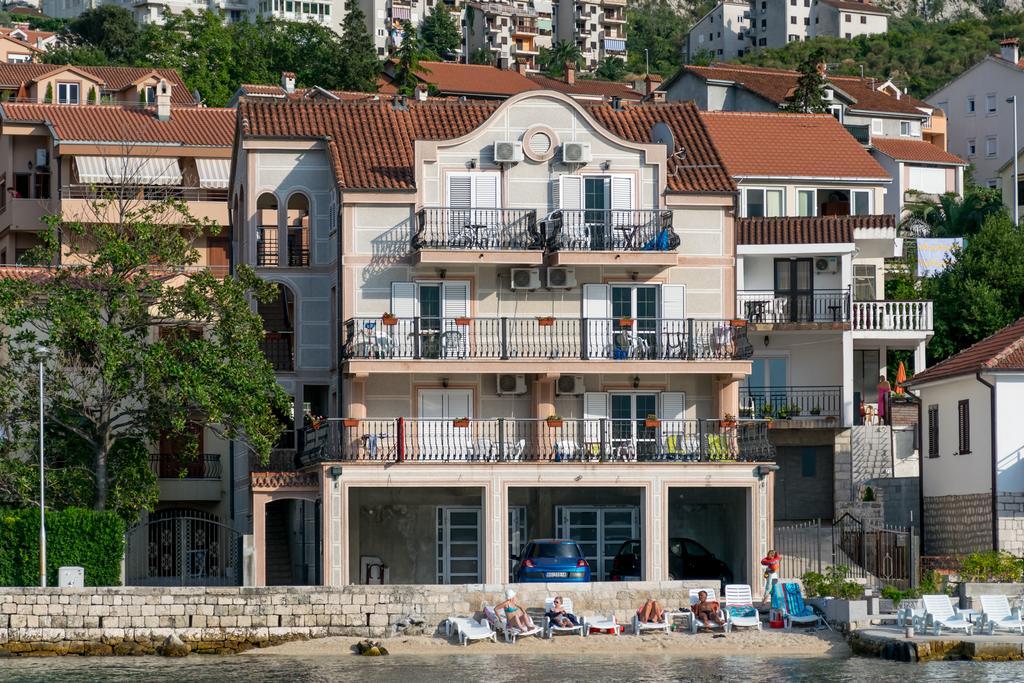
x=933, y=431
x=963, y=416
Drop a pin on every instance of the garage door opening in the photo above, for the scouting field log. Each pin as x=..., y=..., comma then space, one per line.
x=416, y=535
x=600, y=519
x=709, y=533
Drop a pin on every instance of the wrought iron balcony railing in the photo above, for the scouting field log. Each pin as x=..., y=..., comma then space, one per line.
x=610, y=230
x=459, y=228
x=506, y=440
x=791, y=401
x=622, y=339
x=818, y=306
x=201, y=466
x=115, y=192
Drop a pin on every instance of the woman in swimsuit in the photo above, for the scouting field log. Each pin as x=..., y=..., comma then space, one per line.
x=515, y=615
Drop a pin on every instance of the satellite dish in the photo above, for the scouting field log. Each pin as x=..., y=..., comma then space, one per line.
x=661, y=134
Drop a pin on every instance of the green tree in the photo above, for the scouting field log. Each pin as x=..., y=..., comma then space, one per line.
x=48, y=97
x=809, y=95
x=92, y=96
x=440, y=32
x=80, y=55
x=359, y=57
x=562, y=52
x=660, y=28
x=138, y=347
x=952, y=216
x=611, y=69
x=407, y=61
x=109, y=28
x=483, y=56
x=981, y=291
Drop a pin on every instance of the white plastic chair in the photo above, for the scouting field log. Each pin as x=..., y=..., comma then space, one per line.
x=739, y=606
x=712, y=596
x=996, y=614
x=550, y=628
x=939, y=613
x=467, y=630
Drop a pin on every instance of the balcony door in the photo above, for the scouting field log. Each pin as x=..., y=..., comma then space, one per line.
x=597, y=211
x=436, y=435
x=767, y=385
x=436, y=305
x=458, y=544
x=794, y=289
x=599, y=531
x=623, y=415
x=658, y=315
x=472, y=199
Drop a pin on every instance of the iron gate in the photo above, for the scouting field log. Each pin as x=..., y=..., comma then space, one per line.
x=183, y=547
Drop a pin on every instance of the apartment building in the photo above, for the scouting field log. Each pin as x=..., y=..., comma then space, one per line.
x=512, y=32
x=978, y=106
x=597, y=27
x=89, y=163
x=735, y=27
x=906, y=135
x=518, y=320
x=147, y=11
x=812, y=242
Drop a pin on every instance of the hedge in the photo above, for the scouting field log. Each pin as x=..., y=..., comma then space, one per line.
x=74, y=537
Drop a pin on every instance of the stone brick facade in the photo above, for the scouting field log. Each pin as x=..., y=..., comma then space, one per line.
x=957, y=525
x=132, y=621
x=1011, y=522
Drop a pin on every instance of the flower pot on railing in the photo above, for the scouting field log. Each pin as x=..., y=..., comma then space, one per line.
x=555, y=422
x=350, y=422
x=728, y=423
x=738, y=322
x=389, y=319
x=546, y=322
x=462, y=321
x=652, y=423
x=625, y=322
x=461, y=423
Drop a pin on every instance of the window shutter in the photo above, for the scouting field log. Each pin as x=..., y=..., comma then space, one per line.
x=403, y=299
x=460, y=191
x=456, y=299
x=933, y=431
x=964, y=420
x=597, y=309
x=485, y=190
x=673, y=319
x=595, y=407
x=622, y=192
x=673, y=405
x=570, y=192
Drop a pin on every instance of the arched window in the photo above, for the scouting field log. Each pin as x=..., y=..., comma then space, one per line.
x=266, y=230
x=298, y=230
x=279, y=329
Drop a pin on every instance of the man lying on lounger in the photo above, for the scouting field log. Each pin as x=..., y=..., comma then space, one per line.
x=559, y=617
x=705, y=609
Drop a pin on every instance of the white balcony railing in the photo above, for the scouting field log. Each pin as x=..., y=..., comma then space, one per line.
x=892, y=316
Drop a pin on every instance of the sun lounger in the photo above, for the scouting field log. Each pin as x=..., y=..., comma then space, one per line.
x=598, y=622
x=499, y=623
x=939, y=613
x=910, y=612
x=797, y=611
x=467, y=629
x=640, y=626
x=739, y=605
x=996, y=614
x=712, y=596
x=550, y=628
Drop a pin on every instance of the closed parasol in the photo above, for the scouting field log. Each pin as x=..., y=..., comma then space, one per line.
x=901, y=377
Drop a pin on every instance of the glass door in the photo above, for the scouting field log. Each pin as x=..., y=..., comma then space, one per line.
x=596, y=204
x=458, y=545
x=794, y=286
x=599, y=531
x=430, y=320
x=437, y=438
x=516, y=535
x=630, y=439
x=640, y=304
x=767, y=386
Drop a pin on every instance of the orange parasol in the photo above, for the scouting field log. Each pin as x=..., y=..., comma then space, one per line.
x=901, y=377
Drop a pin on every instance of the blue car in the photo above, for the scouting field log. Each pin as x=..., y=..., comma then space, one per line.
x=548, y=560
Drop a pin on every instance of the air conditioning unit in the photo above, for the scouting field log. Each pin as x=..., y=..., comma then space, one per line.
x=561, y=278
x=570, y=385
x=827, y=264
x=525, y=278
x=508, y=152
x=827, y=94
x=42, y=157
x=511, y=385
x=576, y=152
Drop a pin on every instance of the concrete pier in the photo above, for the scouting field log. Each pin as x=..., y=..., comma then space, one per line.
x=891, y=643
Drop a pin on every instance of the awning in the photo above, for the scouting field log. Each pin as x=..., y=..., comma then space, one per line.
x=128, y=171
x=614, y=45
x=401, y=13
x=214, y=173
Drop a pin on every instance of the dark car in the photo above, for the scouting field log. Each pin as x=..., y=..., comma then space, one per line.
x=551, y=559
x=687, y=559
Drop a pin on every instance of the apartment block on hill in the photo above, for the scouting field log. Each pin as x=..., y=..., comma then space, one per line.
x=598, y=27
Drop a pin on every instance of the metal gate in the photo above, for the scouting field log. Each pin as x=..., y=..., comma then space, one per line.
x=183, y=547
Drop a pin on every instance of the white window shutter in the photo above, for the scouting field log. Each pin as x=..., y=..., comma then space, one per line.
x=456, y=299
x=570, y=192
x=595, y=407
x=673, y=319
x=597, y=309
x=486, y=193
x=460, y=191
x=622, y=192
x=403, y=299
x=673, y=405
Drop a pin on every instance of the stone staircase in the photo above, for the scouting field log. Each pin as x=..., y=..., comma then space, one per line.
x=278, y=554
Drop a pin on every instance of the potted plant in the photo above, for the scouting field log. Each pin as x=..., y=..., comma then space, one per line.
x=546, y=321
x=652, y=421
x=738, y=322
x=351, y=422
x=746, y=413
x=783, y=413
x=389, y=319
x=462, y=321
x=794, y=410
x=625, y=322
x=460, y=422
x=816, y=410
x=729, y=420
x=555, y=421
x=767, y=411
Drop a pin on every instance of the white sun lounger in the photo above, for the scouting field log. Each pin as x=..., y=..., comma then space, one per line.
x=467, y=630
x=694, y=622
x=939, y=613
x=640, y=626
x=549, y=627
x=996, y=614
x=603, y=623
x=499, y=623
x=739, y=607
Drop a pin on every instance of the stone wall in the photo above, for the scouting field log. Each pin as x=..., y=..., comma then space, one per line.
x=957, y=525
x=131, y=621
x=1011, y=522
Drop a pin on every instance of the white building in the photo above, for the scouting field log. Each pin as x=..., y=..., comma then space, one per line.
x=972, y=464
x=722, y=32
x=598, y=27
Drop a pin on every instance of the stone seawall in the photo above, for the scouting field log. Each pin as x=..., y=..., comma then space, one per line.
x=135, y=621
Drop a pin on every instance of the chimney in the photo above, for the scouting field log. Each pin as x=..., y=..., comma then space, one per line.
x=522, y=67
x=570, y=73
x=163, y=100
x=822, y=68
x=288, y=81
x=1009, y=50
x=421, y=93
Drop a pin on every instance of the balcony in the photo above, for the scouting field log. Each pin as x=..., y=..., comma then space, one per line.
x=279, y=348
x=822, y=307
x=268, y=257
x=22, y=213
x=892, y=319
x=187, y=478
x=99, y=203
x=613, y=18
x=635, y=237
x=613, y=3
x=860, y=133
x=385, y=441
x=576, y=344
x=525, y=27
x=457, y=235
x=792, y=403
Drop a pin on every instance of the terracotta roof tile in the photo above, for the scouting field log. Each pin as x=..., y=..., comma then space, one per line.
x=1004, y=350
x=856, y=6
x=31, y=35
x=277, y=92
x=915, y=150
x=776, y=85
x=781, y=145
x=474, y=79
x=114, y=78
x=188, y=126
x=806, y=230
x=587, y=87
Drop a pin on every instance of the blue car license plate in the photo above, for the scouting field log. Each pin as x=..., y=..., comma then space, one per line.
x=556, y=575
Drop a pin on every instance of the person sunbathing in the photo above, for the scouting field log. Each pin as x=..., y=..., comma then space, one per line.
x=705, y=609
x=651, y=612
x=515, y=615
x=559, y=617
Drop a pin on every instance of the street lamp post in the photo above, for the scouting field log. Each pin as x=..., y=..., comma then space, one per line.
x=42, y=481
x=1016, y=178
